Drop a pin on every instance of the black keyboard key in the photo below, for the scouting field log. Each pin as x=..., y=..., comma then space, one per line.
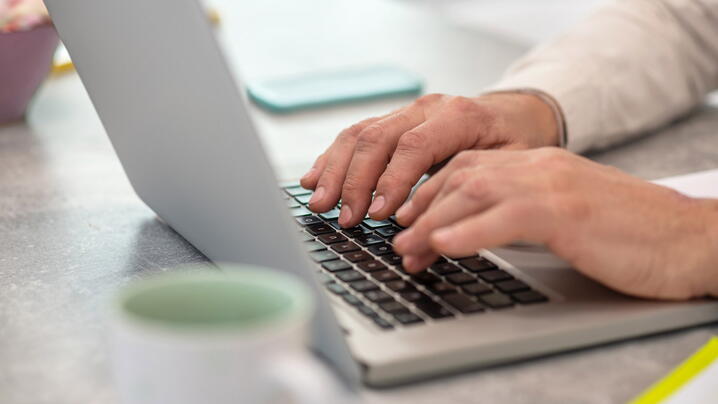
x=313, y=246
x=407, y=318
x=477, y=264
x=300, y=211
x=357, y=256
x=296, y=190
x=352, y=300
x=375, y=224
x=425, y=278
x=432, y=308
x=529, y=296
x=344, y=247
x=363, y=286
x=393, y=307
x=368, y=239
x=349, y=276
x=377, y=296
x=357, y=231
x=512, y=286
x=441, y=288
x=462, y=303
x=303, y=199
x=400, y=286
x=476, y=288
x=335, y=224
x=321, y=256
x=392, y=259
x=331, y=238
x=445, y=268
x=388, y=232
x=331, y=215
x=321, y=228
x=496, y=275
x=381, y=249
x=324, y=278
x=367, y=311
x=336, y=265
x=385, y=276
x=382, y=323
x=461, y=278
x=306, y=237
x=336, y=288
x=371, y=266
x=413, y=295
x=496, y=300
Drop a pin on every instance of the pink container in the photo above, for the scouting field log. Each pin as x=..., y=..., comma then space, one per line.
x=25, y=61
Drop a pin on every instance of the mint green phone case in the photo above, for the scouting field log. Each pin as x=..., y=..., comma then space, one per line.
x=330, y=88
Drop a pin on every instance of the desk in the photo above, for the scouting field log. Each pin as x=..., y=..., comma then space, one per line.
x=72, y=231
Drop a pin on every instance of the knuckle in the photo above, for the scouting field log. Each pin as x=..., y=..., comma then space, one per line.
x=457, y=179
x=428, y=99
x=370, y=137
x=463, y=105
x=350, y=133
x=476, y=187
x=412, y=140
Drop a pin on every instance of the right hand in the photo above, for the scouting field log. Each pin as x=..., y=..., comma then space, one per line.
x=389, y=154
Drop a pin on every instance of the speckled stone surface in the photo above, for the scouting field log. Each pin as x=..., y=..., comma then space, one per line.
x=72, y=232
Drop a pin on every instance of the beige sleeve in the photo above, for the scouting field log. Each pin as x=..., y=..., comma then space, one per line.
x=633, y=66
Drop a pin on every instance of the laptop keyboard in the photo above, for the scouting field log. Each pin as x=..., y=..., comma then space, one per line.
x=360, y=266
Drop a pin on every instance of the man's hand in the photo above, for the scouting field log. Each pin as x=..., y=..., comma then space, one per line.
x=389, y=154
x=631, y=235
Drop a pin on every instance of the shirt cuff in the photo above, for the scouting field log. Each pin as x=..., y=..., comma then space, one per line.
x=568, y=99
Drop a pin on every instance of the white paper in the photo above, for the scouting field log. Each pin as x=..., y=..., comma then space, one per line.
x=702, y=184
x=703, y=388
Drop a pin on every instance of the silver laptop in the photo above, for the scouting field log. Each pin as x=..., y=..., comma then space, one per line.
x=181, y=129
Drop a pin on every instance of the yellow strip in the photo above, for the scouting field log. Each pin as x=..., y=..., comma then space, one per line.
x=681, y=375
x=66, y=67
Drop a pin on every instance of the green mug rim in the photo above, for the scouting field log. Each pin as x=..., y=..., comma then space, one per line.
x=297, y=311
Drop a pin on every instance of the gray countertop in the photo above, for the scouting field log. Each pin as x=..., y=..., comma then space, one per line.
x=72, y=231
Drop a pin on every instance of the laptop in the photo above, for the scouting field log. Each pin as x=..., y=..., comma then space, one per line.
x=181, y=128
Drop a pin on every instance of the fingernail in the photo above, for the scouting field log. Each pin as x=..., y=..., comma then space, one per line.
x=317, y=196
x=345, y=215
x=309, y=173
x=443, y=236
x=404, y=209
x=377, y=204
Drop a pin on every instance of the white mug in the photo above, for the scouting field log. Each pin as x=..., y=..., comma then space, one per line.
x=217, y=338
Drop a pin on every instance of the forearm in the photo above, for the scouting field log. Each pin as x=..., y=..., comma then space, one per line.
x=630, y=68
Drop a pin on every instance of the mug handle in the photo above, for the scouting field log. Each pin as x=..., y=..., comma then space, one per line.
x=308, y=380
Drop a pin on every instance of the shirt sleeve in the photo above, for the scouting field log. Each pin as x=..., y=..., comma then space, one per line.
x=631, y=67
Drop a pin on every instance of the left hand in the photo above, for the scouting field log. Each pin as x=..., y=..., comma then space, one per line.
x=633, y=236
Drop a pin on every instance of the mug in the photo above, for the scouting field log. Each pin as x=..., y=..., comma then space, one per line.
x=221, y=337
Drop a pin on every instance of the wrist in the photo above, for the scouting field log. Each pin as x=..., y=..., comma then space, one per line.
x=711, y=223
x=528, y=116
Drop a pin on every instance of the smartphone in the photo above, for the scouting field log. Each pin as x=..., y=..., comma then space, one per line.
x=334, y=87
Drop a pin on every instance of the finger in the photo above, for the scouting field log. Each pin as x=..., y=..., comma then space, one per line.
x=375, y=144
x=330, y=178
x=309, y=180
x=416, y=152
x=416, y=263
x=478, y=194
x=449, y=178
x=507, y=222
